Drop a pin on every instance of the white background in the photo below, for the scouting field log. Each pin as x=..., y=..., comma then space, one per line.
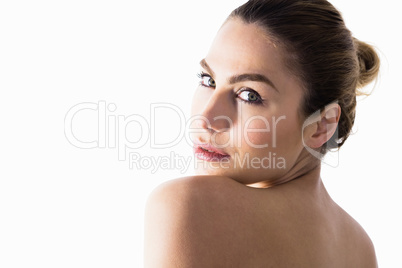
x=62, y=206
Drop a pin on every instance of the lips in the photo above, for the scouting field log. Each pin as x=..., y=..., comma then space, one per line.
x=209, y=153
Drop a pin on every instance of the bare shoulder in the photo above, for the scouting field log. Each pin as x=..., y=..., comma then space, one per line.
x=210, y=221
x=357, y=242
x=191, y=194
x=193, y=186
x=187, y=222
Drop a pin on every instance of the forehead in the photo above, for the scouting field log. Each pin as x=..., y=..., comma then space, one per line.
x=242, y=47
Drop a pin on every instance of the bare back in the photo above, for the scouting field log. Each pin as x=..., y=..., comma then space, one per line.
x=287, y=227
x=232, y=225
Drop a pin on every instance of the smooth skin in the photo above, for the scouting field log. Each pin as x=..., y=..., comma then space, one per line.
x=253, y=217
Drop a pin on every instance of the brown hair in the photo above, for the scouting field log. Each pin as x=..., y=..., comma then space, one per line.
x=321, y=51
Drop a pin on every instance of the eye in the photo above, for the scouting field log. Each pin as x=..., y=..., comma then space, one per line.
x=206, y=80
x=250, y=96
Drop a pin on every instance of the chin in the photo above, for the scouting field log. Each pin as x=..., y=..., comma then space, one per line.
x=206, y=169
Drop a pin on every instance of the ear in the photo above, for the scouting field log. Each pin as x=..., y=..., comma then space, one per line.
x=321, y=126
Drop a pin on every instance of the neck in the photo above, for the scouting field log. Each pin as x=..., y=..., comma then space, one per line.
x=306, y=169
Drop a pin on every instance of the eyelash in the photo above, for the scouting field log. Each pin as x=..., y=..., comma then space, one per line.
x=260, y=101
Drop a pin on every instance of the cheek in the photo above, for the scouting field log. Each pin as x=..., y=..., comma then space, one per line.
x=281, y=134
x=288, y=134
x=258, y=139
x=258, y=134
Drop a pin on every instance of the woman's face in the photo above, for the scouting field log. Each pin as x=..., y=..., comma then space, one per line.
x=247, y=108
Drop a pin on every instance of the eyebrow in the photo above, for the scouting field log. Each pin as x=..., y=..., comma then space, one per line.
x=241, y=77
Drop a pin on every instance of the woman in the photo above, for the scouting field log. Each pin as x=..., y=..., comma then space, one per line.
x=277, y=91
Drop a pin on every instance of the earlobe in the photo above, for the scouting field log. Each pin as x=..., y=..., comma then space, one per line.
x=324, y=126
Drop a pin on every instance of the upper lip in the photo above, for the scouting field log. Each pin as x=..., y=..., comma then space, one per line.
x=209, y=147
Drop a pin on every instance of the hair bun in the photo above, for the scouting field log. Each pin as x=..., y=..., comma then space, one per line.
x=369, y=63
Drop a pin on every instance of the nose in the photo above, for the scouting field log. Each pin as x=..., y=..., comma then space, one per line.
x=217, y=113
